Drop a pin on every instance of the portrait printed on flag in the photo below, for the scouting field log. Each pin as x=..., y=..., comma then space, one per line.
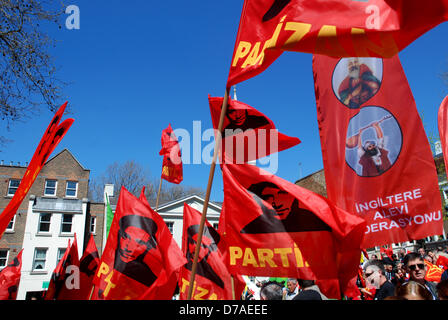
x=281, y=212
x=136, y=237
x=209, y=244
x=356, y=80
x=374, y=141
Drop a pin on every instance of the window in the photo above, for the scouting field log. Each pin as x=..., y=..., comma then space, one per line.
x=3, y=258
x=61, y=252
x=10, y=226
x=13, y=185
x=40, y=256
x=92, y=225
x=44, y=222
x=72, y=187
x=170, y=226
x=50, y=187
x=67, y=220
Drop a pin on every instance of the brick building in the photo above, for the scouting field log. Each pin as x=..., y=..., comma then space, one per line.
x=54, y=210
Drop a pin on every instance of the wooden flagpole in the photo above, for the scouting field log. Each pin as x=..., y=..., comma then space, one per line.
x=233, y=287
x=207, y=194
x=158, y=194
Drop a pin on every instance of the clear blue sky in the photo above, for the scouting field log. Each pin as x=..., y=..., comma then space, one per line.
x=135, y=66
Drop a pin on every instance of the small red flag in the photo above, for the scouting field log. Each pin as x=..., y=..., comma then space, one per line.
x=88, y=265
x=276, y=228
x=140, y=254
x=247, y=133
x=64, y=280
x=10, y=278
x=336, y=28
x=172, y=160
x=433, y=272
x=51, y=138
x=212, y=279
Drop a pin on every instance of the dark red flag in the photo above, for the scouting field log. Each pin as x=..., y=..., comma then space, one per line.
x=247, y=133
x=64, y=280
x=276, y=228
x=377, y=160
x=337, y=28
x=212, y=280
x=172, y=160
x=443, y=129
x=52, y=136
x=10, y=278
x=140, y=254
x=88, y=265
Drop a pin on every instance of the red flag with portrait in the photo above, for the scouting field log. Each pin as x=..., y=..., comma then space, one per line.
x=212, y=280
x=377, y=160
x=140, y=256
x=336, y=28
x=10, y=278
x=172, y=159
x=51, y=138
x=247, y=133
x=64, y=279
x=273, y=227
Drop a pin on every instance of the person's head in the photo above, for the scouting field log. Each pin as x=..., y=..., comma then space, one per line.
x=374, y=273
x=281, y=201
x=442, y=290
x=388, y=267
x=433, y=254
x=209, y=243
x=429, y=258
x=136, y=237
x=305, y=283
x=421, y=251
x=374, y=257
x=415, y=266
x=412, y=290
x=236, y=116
x=271, y=291
x=354, y=68
x=291, y=284
x=370, y=147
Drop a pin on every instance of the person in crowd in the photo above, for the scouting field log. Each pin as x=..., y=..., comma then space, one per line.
x=271, y=291
x=375, y=277
x=309, y=291
x=413, y=290
x=442, y=290
x=291, y=290
x=416, y=268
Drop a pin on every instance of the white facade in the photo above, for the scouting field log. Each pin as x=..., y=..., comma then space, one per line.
x=53, y=242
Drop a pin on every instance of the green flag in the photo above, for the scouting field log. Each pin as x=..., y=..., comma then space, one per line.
x=109, y=216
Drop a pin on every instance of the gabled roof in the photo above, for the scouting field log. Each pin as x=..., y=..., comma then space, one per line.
x=187, y=198
x=71, y=154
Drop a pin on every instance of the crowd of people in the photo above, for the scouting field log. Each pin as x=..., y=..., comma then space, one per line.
x=421, y=275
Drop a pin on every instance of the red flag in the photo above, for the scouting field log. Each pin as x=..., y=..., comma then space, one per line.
x=337, y=28
x=276, y=228
x=88, y=266
x=172, y=160
x=433, y=272
x=52, y=136
x=10, y=278
x=64, y=280
x=443, y=129
x=140, y=254
x=247, y=133
x=377, y=160
x=212, y=279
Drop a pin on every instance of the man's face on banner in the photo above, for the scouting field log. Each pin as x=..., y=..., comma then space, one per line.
x=353, y=68
x=236, y=116
x=204, y=250
x=280, y=200
x=133, y=243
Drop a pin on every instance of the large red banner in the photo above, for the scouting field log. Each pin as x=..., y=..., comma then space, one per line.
x=275, y=228
x=377, y=160
x=337, y=28
x=442, y=120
